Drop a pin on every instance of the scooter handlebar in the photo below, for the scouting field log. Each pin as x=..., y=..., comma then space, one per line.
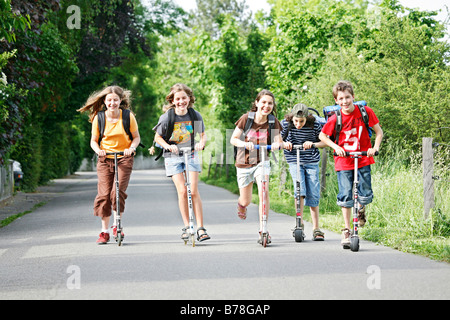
x=186, y=149
x=355, y=153
x=114, y=153
x=300, y=147
x=258, y=146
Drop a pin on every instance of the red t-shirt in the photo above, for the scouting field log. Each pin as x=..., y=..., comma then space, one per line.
x=353, y=137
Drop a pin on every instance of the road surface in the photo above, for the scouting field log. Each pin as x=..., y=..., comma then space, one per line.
x=52, y=253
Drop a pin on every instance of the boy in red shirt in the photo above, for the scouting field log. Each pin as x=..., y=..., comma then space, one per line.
x=353, y=136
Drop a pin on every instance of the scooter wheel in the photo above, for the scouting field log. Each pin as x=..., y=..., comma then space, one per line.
x=354, y=244
x=119, y=237
x=298, y=235
x=264, y=240
x=193, y=240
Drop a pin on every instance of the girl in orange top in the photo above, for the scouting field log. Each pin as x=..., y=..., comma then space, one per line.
x=114, y=99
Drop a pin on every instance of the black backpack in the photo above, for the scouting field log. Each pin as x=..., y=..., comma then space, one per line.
x=125, y=122
x=168, y=135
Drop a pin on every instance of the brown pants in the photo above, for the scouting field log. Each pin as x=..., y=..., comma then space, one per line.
x=106, y=191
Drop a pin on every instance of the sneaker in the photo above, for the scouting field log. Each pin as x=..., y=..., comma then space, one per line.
x=103, y=238
x=362, y=215
x=345, y=242
x=115, y=233
x=269, y=238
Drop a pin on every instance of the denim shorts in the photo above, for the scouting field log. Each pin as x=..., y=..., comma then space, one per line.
x=245, y=176
x=176, y=165
x=309, y=182
x=345, y=182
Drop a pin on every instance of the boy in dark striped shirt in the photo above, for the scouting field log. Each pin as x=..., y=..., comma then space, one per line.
x=301, y=128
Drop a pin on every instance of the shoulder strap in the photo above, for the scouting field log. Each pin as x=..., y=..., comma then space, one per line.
x=365, y=115
x=193, y=116
x=271, y=127
x=338, y=126
x=170, y=125
x=168, y=133
x=101, y=125
x=126, y=122
x=249, y=123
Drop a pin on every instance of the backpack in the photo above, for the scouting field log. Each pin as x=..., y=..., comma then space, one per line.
x=248, y=126
x=125, y=122
x=319, y=119
x=336, y=109
x=168, y=135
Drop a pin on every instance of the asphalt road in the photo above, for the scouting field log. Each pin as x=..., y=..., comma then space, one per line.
x=51, y=254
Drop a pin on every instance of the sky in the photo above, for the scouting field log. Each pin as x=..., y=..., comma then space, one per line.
x=256, y=5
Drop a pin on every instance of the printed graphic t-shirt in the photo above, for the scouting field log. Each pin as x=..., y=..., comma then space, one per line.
x=182, y=130
x=353, y=137
x=258, y=134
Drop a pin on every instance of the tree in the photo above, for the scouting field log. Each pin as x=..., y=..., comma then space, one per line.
x=305, y=30
x=212, y=14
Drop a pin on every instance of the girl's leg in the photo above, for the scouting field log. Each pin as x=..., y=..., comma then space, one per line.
x=198, y=206
x=196, y=199
x=245, y=195
x=105, y=223
x=102, y=203
x=179, y=181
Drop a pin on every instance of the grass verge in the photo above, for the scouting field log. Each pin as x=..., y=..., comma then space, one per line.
x=10, y=219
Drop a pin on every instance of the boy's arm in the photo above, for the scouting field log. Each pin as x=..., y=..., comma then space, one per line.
x=379, y=137
x=326, y=139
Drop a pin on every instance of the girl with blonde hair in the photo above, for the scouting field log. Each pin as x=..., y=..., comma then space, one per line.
x=113, y=105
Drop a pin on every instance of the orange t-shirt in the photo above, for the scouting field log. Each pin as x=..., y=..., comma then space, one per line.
x=115, y=139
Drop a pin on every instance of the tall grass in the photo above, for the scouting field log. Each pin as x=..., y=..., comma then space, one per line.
x=395, y=218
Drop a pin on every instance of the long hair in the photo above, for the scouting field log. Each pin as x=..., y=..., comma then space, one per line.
x=262, y=93
x=96, y=101
x=177, y=88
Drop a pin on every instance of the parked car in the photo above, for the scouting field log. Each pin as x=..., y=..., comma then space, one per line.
x=18, y=174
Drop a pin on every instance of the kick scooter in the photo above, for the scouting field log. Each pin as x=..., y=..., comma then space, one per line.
x=191, y=232
x=298, y=232
x=354, y=239
x=264, y=239
x=117, y=219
